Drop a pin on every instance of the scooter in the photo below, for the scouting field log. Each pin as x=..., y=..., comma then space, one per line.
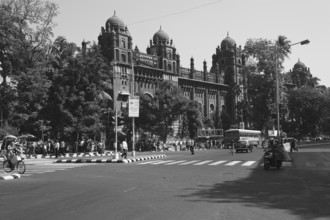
x=271, y=159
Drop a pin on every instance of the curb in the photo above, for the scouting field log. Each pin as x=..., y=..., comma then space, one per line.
x=109, y=160
x=10, y=177
x=69, y=155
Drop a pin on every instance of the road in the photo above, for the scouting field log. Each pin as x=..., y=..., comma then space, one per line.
x=212, y=184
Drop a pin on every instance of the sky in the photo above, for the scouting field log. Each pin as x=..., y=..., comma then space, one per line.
x=197, y=27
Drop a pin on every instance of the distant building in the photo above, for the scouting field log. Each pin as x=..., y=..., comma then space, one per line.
x=216, y=90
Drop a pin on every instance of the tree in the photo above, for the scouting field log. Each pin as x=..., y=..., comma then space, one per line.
x=25, y=29
x=307, y=107
x=194, y=118
x=261, y=86
x=160, y=112
x=75, y=97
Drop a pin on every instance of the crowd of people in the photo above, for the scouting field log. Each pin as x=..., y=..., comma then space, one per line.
x=55, y=147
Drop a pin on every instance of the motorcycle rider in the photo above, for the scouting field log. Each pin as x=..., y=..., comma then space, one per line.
x=276, y=148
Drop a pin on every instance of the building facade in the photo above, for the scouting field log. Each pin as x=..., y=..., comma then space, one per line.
x=216, y=90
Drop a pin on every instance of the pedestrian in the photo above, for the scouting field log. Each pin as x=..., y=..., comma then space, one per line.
x=124, y=148
x=57, y=148
x=293, y=145
x=62, y=148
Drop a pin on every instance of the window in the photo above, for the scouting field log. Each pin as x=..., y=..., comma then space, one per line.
x=123, y=43
x=169, y=67
x=123, y=58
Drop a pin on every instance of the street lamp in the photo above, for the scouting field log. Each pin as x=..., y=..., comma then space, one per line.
x=277, y=89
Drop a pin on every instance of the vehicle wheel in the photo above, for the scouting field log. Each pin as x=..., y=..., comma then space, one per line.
x=251, y=149
x=6, y=166
x=279, y=165
x=21, y=167
x=266, y=166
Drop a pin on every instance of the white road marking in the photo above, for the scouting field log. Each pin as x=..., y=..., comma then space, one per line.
x=203, y=162
x=232, y=163
x=180, y=161
x=189, y=162
x=160, y=162
x=218, y=162
x=248, y=163
x=149, y=162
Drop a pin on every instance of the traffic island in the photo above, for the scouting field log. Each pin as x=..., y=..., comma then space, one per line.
x=10, y=176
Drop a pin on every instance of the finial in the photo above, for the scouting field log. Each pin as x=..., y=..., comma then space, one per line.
x=114, y=13
x=227, y=33
x=160, y=27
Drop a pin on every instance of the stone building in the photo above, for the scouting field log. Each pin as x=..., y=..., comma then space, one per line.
x=215, y=90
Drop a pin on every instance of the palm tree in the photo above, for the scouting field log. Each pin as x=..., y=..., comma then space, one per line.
x=283, y=47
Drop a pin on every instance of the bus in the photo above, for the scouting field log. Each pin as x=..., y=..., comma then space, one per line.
x=253, y=136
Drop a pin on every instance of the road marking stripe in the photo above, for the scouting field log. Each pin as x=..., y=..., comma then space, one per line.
x=148, y=162
x=160, y=162
x=248, y=163
x=232, y=163
x=203, y=162
x=218, y=162
x=189, y=162
x=180, y=161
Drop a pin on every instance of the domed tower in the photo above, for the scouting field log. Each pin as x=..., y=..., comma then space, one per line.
x=229, y=59
x=162, y=46
x=116, y=45
x=116, y=41
x=300, y=74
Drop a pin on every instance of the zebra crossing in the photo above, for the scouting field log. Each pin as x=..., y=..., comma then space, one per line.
x=51, y=167
x=226, y=163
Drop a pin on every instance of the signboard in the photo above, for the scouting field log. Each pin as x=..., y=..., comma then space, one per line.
x=133, y=106
x=147, y=59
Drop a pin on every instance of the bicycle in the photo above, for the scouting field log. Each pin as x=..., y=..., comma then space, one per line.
x=13, y=161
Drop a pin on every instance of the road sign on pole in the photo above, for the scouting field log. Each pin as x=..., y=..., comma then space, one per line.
x=133, y=106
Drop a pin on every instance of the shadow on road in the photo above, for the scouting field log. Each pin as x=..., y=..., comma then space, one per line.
x=305, y=192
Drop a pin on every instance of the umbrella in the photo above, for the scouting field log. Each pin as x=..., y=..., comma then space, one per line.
x=10, y=137
x=27, y=136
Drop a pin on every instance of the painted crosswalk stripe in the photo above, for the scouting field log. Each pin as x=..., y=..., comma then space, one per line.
x=232, y=163
x=203, y=162
x=189, y=162
x=248, y=163
x=176, y=162
x=148, y=162
x=160, y=162
x=218, y=162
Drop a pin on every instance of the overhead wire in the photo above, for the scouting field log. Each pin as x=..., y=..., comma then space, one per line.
x=176, y=13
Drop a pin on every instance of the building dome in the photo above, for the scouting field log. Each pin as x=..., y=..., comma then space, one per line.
x=114, y=21
x=299, y=65
x=161, y=36
x=228, y=41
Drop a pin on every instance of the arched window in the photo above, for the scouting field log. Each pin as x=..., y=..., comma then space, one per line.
x=123, y=43
x=169, y=67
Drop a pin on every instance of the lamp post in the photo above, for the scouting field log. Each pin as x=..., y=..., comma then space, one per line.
x=278, y=90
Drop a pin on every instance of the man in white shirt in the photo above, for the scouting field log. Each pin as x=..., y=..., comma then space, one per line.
x=125, y=149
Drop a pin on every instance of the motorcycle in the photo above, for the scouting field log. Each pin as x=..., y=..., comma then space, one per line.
x=13, y=160
x=271, y=159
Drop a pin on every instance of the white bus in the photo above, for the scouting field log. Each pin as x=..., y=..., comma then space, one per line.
x=253, y=136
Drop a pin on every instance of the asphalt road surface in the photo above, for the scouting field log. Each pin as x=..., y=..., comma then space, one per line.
x=213, y=184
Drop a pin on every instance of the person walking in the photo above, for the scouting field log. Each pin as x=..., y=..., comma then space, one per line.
x=293, y=145
x=124, y=148
x=57, y=148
